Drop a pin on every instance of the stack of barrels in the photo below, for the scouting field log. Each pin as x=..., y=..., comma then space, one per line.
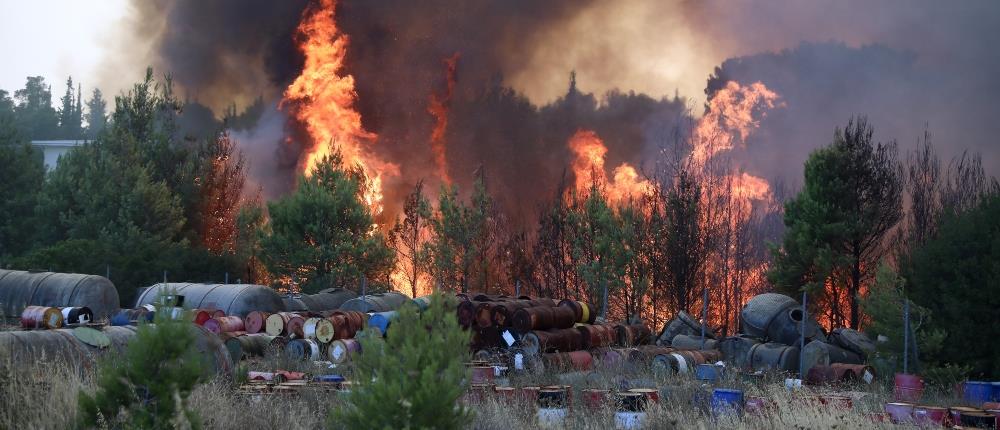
x=544, y=333
x=301, y=335
x=46, y=317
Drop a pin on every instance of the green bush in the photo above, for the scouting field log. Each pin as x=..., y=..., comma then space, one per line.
x=414, y=377
x=148, y=387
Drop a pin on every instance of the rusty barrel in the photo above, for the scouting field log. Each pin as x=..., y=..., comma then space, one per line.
x=598, y=335
x=484, y=318
x=573, y=360
x=632, y=334
x=224, y=324
x=502, y=313
x=41, y=317
x=77, y=315
x=558, y=340
x=347, y=323
x=249, y=345
x=543, y=318
x=343, y=350
x=319, y=329
x=255, y=321
x=583, y=313
x=275, y=323
x=466, y=312
x=200, y=316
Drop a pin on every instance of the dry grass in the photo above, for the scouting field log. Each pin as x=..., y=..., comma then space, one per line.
x=43, y=395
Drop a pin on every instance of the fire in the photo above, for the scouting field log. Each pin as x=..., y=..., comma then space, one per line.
x=322, y=98
x=731, y=114
x=438, y=107
x=588, y=169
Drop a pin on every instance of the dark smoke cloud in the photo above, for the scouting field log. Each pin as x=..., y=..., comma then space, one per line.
x=903, y=63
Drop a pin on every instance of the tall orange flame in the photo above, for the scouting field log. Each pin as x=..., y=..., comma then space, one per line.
x=588, y=169
x=438, y=107
x=322, y=98
x=731, y=114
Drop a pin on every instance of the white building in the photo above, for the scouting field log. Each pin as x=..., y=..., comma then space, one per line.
x=53, y=149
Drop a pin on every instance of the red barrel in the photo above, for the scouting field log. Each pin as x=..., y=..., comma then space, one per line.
x=224, y=324
x=908, y=388
x=484, y=318
x=255, y=321
x=41, y=317
x=482, y=374
x=508, y=395
x=200, y=316
x=467, y=312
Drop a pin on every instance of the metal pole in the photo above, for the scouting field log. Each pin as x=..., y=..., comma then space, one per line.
x=227, y=278
x=604, y=300
x=802, y=336
x=164, y=276
x=704, y=315
x=517, y=288
x=107, y=271
x=906, y=334
x=364, y=286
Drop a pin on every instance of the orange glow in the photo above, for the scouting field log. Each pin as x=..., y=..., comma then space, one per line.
x=322, y=98
x=733, y=113
x=588, y=169
x=438, y=106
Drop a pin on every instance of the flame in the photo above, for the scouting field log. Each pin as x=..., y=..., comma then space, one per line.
x=322, y=98
x=731, y=114
x=438, y=107
x=588, y=169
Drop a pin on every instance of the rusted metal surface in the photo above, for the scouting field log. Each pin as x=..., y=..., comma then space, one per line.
x=541, y=341
x=598, y=335
x=543, y=318
x=224, y=324
x=633, y=334
x=43, y=317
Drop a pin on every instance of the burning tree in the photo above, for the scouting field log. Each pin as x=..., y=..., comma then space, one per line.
x=407, y=238
x=322, y=235
x=837, y=224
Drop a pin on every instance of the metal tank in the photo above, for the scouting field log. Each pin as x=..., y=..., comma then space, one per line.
x=233, y=299
x=67, y=346
x=381, y=302
x=758, y=313
x=19, y=289
x=326, y=300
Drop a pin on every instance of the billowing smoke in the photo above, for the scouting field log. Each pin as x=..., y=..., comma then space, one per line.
x=514, y=106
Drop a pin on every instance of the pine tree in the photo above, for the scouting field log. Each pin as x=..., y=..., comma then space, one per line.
x=407, y=237
x=22, y=174
x=69, y=117
x=837, y=224
x=456, y=243
x=148, y=388
x=414, y=377
x=36, y=118
x=322, y=234
x=97, y=116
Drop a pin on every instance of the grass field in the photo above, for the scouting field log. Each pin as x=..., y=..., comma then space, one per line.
x=43, y=395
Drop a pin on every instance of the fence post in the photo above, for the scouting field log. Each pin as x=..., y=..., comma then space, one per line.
x=802, y=336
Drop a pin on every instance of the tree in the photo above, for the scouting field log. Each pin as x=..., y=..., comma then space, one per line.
x=414, y=377
x=956, y=275
x=837, y=224
x=456, y=230
x=599, y=249
x=408, y=235
x=117, y=202
x=149, y=386
x=685, y=243
x=35, y=116
x=220, y=185
x=322, y=234
x=22, y=174
x=97, y=115
x=70, y=117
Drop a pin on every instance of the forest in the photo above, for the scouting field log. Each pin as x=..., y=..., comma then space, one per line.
x=160, y=191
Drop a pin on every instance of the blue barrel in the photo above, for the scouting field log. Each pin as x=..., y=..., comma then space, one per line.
x=121, y=318
x=381, y=320
x=996, y=392
x=977, y=392
x=708, y=372
x=726, y=401
x=329, y=378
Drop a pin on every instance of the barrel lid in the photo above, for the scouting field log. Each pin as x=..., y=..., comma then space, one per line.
x=92, y=337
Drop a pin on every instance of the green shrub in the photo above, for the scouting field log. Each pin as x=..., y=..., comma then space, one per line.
x=148, y=387
x=414, y=377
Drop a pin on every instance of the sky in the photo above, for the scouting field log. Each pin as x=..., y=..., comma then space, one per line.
x=56, y=39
